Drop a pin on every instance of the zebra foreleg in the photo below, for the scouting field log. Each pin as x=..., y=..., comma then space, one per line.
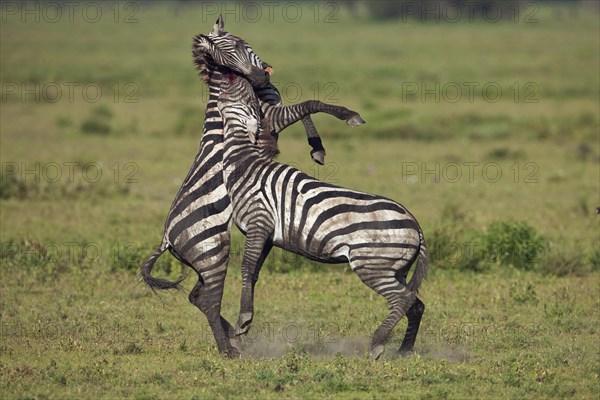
x=352, y=118
x=280, y=117
x=257, y=247
x=314, y=140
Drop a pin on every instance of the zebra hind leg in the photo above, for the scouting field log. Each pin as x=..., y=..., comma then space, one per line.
x=399, y=298
x=208, y=300
x=414, y=315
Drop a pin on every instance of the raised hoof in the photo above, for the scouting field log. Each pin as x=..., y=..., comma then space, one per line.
x=243, y=324
x=377, y=351
x=318, y=156
x=355, y=120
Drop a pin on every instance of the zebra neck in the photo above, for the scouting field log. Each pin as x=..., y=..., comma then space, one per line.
x=241, y=124
x=214, y=87
x=243, y=152
x=239, y=151
x=241, y=158
x=213, y=121
x=209, y=151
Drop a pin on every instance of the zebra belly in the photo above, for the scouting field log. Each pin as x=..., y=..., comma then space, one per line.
x=326, y=260
x=345, y=223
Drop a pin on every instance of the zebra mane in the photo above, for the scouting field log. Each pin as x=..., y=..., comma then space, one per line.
x=204, y=73
x=200, y=62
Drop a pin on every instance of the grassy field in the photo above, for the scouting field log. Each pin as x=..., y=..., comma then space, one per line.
x=488, y=132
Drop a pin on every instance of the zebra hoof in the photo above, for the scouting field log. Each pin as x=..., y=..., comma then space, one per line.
x=243, y=324
x=235, y=345
x=377, y=351
x=355, y=120
x=233, y=352
x=318, y=156
x=405, y=353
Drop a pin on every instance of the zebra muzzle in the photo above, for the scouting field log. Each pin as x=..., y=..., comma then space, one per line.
x=258, y=77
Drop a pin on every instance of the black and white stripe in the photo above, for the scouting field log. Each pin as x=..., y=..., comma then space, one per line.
x=278, y=205
x=197, y=227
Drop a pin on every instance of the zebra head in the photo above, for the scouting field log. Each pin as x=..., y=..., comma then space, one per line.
x=229, y=53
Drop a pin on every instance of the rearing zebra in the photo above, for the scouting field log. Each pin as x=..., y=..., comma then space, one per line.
x=275, y=204
x=197, y=226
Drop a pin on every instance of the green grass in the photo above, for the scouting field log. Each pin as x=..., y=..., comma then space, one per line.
x=497, y=335
x=86, y=186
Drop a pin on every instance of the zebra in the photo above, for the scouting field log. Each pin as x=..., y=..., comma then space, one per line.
x=197, y=227
x=277, y=205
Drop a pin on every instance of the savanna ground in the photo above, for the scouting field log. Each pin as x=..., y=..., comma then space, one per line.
x=504, y=184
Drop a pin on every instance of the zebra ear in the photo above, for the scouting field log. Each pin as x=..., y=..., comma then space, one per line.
x=218, y=27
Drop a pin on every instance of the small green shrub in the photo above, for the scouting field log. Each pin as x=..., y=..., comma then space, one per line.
x=129, y=257
x=99, y=122
x=505, y=153
x=11, y=187
x=94, y=126
x=514, y=243
x=453, y=244
x=64, y=122
x=103, y=111
x=452, y=247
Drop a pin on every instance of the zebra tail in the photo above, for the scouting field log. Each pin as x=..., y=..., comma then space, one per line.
x=420, y=273
x=158, y=283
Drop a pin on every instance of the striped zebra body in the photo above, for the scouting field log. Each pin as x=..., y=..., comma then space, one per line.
x=197, y=229
x=197, y=223
x=275, y=204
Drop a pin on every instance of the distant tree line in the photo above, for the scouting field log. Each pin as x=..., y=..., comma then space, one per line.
x=458, y=10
